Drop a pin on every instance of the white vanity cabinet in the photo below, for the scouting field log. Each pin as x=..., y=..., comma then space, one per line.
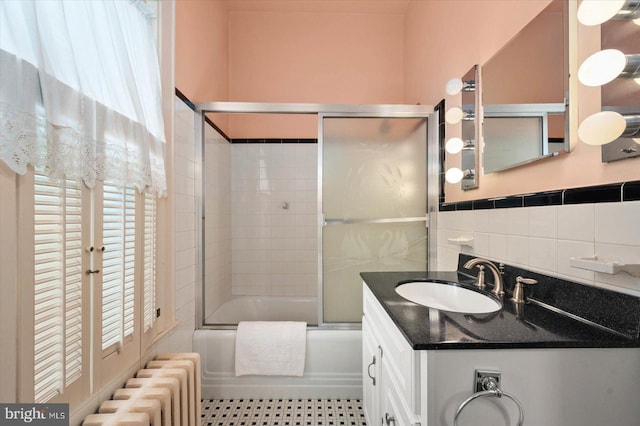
x=557, y=386
x=391, y=370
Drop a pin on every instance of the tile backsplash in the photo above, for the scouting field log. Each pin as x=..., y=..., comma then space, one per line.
x=544, y=238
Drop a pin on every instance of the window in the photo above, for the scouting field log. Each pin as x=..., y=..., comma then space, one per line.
x=81, y=239
x=118, y=265
x=57, y=231
x=85, y=201
x=150, y=241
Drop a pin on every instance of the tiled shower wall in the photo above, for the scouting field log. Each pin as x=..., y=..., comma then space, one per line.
x=543, y=239
x=184, y=190
x=274, y=221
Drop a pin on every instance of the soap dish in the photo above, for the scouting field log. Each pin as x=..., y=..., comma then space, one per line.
x=461, y=241
x=604, y=266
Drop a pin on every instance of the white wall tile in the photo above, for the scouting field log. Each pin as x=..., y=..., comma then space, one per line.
x=543, y=221
x=497, y=246
x=618, y=223
x=518, y=221
x=481, y=243
x=286, y=173
x=447, y=259
x=576, y=222
x=481, y=220
x=543, y=254
x=462, y=221
x=498, y=221
x=518, y=250
x=543, y=239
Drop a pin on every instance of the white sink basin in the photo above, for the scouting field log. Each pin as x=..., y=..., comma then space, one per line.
x=448, y=296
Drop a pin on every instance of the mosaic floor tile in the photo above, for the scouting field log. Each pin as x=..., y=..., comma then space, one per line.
x=282, y=412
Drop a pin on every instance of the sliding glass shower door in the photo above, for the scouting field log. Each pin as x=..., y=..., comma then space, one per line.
x=374, y=204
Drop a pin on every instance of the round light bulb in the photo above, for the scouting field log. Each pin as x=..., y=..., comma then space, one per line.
x=602, y=128
x=602, y=67
x=454, y=115
x=454, y=145
x=454, y=86
x=453, y=175
x=596, y=12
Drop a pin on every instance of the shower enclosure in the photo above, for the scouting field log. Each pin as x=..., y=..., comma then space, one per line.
x=287, y=227
x=374, y=201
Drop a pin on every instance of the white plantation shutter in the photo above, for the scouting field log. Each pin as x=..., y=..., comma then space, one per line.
x=118, y=265
x=149, y=296
x=57, y=286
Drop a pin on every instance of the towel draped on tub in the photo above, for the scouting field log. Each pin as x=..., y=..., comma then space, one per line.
x=271, y=348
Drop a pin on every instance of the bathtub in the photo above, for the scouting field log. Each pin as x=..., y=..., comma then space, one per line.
x=333, y=363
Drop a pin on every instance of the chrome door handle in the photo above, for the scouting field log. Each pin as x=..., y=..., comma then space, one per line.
x=373, y=379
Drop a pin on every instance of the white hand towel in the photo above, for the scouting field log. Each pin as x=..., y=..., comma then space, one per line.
x=271, y=348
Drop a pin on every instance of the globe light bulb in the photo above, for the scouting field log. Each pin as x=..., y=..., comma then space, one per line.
x=454, y=145
x=602, y=128
x=454, y=115
x=602, y=67
x=454, y=86
x=453, y=175
x=596, y=12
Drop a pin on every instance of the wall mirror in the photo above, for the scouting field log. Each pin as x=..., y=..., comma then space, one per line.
x=525, y=93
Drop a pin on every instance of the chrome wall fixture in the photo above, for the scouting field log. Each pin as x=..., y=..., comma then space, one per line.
x=617, y=126
x=467, y=145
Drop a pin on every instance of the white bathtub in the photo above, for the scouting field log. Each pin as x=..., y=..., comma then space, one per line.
x=333, y=363
x=266, y=308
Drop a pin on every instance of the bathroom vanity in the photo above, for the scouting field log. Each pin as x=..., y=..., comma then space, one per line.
x=419, y=363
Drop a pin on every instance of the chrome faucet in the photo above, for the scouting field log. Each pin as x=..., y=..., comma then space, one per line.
x=498, y=283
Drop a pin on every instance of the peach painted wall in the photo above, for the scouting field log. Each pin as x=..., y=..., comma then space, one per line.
x=202, y=51
x=439, y=50
x=312, y=56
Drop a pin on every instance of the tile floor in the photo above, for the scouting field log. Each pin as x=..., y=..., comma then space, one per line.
x=281, y=412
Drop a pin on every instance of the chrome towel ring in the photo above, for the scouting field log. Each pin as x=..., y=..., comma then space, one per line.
x=491, y=388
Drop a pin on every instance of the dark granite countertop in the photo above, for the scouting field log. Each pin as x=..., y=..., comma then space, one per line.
x=534, y=326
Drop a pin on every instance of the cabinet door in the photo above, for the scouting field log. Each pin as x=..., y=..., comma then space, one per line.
x=394, y=409
x=371, y=362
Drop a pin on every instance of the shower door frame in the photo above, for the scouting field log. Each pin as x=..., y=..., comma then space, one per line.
x=320, y=111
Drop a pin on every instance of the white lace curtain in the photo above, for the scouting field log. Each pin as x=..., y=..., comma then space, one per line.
x=80, y=91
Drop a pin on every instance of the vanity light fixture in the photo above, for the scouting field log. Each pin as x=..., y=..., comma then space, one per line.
x=455, y=114
x=454, y=145
x=596, y=12
x=457, y=85
x=455, y=175
x=607, y=65
x=606, y=126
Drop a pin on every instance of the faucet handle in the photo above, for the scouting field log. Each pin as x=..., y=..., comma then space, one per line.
x=518, y=291
x=481, y=282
